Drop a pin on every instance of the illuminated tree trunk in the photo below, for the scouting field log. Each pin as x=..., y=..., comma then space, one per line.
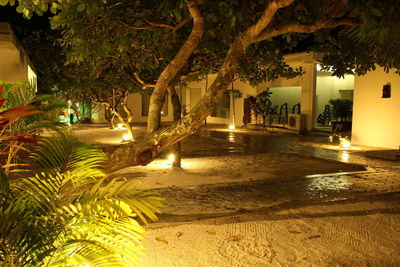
x=233, y=110
x=126, y=122
x=173, y=68
x=176, y=104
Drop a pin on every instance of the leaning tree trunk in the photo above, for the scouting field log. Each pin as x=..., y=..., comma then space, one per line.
x=176, y=104
x=145, y=150
x=173, y=68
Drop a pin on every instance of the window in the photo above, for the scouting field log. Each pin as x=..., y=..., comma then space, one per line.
x=223, y=108
x=146, y=105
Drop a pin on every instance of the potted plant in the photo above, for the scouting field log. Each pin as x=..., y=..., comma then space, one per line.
x=342, y=110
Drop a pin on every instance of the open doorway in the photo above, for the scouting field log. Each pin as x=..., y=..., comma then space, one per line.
x=333, y=101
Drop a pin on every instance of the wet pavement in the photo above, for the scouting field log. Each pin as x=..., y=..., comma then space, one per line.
x=278, y=143
x=379, y=178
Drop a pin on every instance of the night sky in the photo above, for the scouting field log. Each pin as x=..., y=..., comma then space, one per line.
x=20, y=25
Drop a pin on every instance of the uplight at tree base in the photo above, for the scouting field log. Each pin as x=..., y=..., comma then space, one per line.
x=232, y=127
x=345, y=143
x=126, y=137
x=120, y=126
x=171, y=158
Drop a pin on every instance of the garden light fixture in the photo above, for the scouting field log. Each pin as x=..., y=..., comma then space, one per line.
x=345, y=143
x=126, y=137
x=120, y=126
x=171, y=158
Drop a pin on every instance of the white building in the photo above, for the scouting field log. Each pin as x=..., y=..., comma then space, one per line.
x=14, y=63
x=312, y=91
x=376, y=119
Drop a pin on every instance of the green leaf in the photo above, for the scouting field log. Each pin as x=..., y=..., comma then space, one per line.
x=20, y=9
x=178, y=15
x=3, y=2
x=44, y=7
x=53, y=10
x=376, y=12
x=26, y=12
x=81, y=7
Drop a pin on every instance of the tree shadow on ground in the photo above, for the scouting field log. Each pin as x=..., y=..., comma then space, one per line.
x=272, y=213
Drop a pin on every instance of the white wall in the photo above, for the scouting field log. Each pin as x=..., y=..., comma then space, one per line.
x=13, y=60
x=376, y=120
x=135, y=104
x=242, y=86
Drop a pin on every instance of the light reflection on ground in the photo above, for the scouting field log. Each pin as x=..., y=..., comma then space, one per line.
x=322, y=186
x=344, y=156
x=231, y=137
x=189, y=164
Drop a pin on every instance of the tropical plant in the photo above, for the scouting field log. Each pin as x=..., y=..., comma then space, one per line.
x=63, y=209
x=11, y=140
x=264, y=104
x=68, y=212
x=21, y=95
x=342, y=109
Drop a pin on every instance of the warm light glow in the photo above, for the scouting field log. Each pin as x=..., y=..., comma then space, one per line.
x=171, y=158
x=166, y=164
x=120, y=126
x=345, y=143
x=345, y=156
x=126, y=137
x=232, y=127
x=331, y=138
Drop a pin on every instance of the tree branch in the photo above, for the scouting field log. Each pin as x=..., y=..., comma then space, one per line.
x=153, y=25
x=300, y=28
x=267, y=17
x=137, y=80
x=161, y=25
x=142, y=83
x=135, y=27
x=106, y=104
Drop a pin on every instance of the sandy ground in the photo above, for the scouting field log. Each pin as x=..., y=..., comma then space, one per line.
x=270, y=209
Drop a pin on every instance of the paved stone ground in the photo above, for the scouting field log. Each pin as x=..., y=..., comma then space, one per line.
x=381, y=178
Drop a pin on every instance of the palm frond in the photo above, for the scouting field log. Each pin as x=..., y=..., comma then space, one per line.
x=64, y=153
x=68, y=212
